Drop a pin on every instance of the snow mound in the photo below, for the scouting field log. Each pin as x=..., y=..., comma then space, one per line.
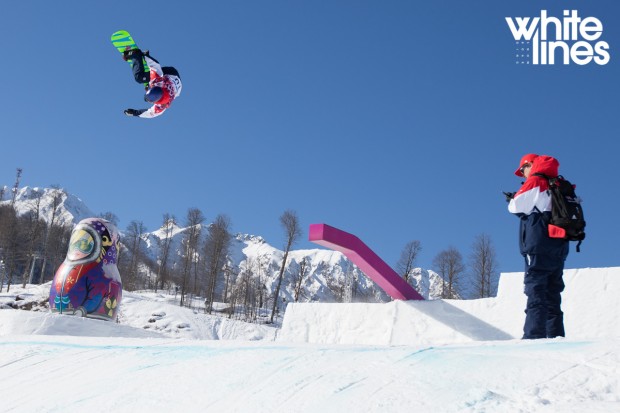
x=45, y=323
x=141, y=315
x=590, y=308
x=156, y=312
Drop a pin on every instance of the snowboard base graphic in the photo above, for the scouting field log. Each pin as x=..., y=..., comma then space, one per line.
x=123, y=41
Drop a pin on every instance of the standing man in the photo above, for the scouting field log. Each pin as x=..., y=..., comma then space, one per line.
x=544, y=256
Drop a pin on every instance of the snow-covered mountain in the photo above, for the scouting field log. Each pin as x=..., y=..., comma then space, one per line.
x=68, y=208
x=329, y=275
x=427, y=282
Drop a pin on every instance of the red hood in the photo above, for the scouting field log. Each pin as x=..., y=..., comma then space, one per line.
x=545, y=165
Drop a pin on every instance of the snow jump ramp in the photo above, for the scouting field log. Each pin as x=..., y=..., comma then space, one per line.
x=589, y=301
x=590, y=306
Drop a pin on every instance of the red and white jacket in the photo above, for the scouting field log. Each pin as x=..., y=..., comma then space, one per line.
x=532, y=204
x=170, y=84
x=533, y=194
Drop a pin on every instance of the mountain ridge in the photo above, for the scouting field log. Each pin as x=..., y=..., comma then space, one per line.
x=330, y=276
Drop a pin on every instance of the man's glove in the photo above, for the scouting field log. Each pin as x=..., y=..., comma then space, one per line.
x=509, y=195
x=132, y=112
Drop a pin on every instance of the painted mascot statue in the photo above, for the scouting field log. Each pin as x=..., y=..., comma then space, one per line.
x=87, y=283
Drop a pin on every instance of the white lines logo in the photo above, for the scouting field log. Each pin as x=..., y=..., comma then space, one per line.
x=574, y=39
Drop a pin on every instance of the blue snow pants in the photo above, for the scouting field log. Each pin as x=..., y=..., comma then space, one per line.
x=543, y=285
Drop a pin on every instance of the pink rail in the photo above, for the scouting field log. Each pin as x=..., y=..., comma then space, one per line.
x=366, y=260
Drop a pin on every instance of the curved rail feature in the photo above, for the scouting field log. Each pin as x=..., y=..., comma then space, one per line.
x=366, y=260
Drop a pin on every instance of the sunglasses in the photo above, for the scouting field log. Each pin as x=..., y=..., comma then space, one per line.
x=527, y=165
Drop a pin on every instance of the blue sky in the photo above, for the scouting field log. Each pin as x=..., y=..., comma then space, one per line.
x=393, y=120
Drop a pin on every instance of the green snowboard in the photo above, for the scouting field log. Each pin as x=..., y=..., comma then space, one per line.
x=122, y=40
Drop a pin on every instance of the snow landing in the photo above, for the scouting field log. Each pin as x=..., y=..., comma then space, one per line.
x=590, y=303
x=470, y=360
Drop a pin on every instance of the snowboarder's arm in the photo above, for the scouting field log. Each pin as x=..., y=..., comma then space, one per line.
x=152, y=112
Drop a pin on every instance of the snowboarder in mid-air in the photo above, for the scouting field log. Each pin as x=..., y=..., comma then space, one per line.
x=162, y=84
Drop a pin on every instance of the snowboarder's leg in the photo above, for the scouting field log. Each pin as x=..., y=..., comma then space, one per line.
x=136, y=58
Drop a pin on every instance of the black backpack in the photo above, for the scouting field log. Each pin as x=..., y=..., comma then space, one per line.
x=566, y=211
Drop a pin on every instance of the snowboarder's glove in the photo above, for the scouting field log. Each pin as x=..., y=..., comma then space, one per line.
x=509, y=195
x=129, y=53
x=132, y=112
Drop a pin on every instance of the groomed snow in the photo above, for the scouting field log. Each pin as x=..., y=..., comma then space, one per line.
x=590, y=304
x=59, y=363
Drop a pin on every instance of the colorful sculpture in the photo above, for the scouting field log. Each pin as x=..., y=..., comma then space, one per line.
x=87, y=283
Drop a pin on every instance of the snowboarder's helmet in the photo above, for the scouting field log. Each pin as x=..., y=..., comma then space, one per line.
x=154, y=94
x=529, y=158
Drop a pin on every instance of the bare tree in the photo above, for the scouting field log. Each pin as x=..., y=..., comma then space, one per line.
x=57, y=194
x=337, y=286
x=292, y=230
x=164, y=243
x=299, y=278
x=407, y=258
x=255, y=267
x=58, y=244
x=134, y=242
x=217, y=244
x=9, y=243
x=449, y=265
x=28, y=238
x=229, y=279
x=18, y=176
x=33, y=229
x=244, y=297
x=483, y=264
x=190, y=248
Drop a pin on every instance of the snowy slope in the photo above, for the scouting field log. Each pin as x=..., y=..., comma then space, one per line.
x=70, y=374
x=141, y=315
x=59, y=363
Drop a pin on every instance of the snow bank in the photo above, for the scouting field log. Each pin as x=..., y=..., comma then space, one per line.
x=17, y=322
x=119, y=374
x=140, y=315
x=590, y=304
x=157, y=312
